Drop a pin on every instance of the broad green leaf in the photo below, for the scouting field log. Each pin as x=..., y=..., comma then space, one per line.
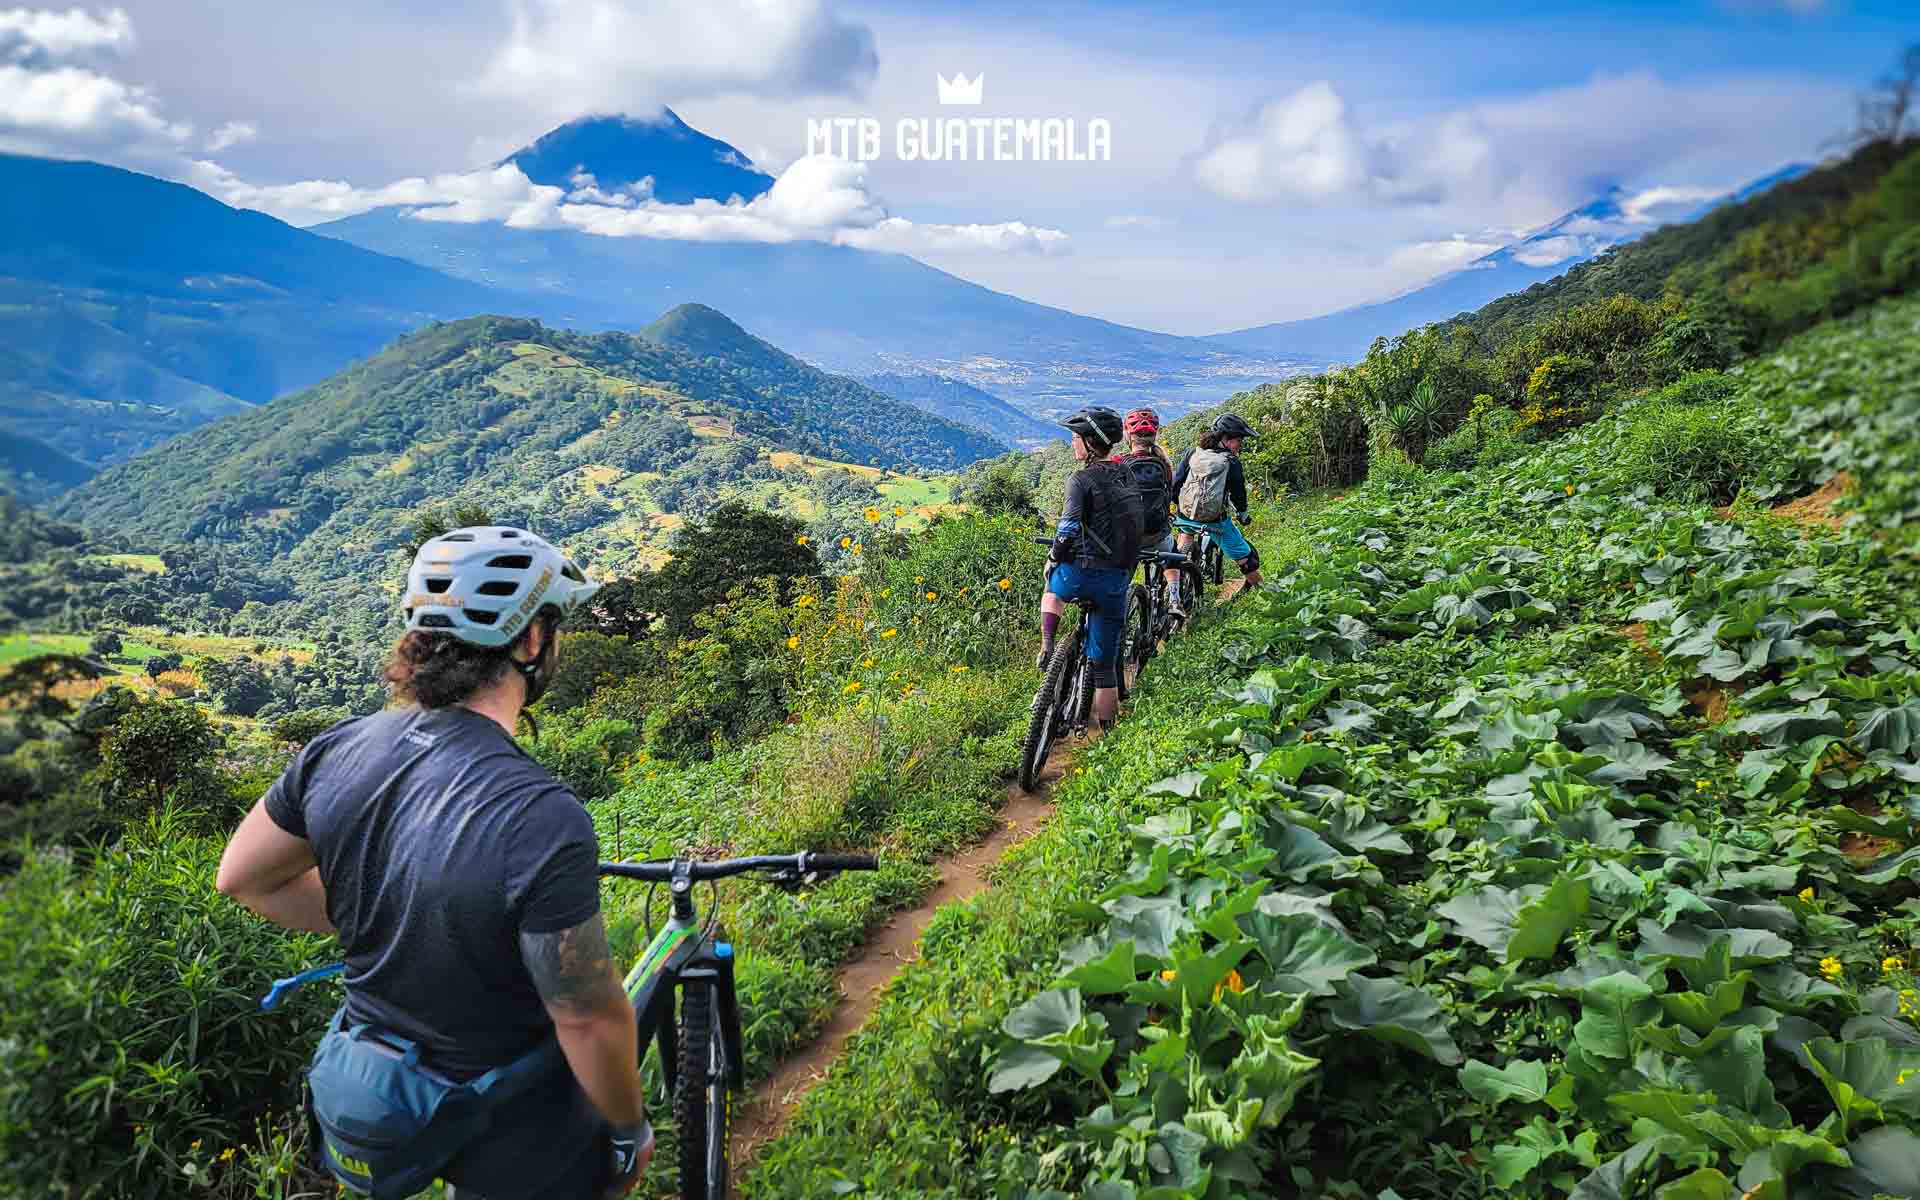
x=1051, y=1013
x=1884, y=1162
x=1511, y=1162
x=1303, y=955
x=1107, y=975
x=1611, y=1180
x=1735, y=1070
x=1610, y=1009
x=1298, y=851
x=1393, y=1012
x=1021, y=1066
x=1895, y=730
x=1704, y=1184
x=1685, y=940
x=1681, y=1042
x=1521, y=1080
x=1702, y=1013
x=1875, y=1074
x=1543, y=921
x=1666, y=1107
x=1186, y=784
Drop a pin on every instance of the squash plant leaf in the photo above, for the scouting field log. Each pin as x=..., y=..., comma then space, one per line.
x=1522, y=1080
x=1303, y=955
x=1393, y=1012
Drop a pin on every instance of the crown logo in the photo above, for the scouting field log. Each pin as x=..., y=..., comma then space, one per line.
x=960, y=89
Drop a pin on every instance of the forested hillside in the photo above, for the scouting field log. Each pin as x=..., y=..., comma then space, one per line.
x=605, y=442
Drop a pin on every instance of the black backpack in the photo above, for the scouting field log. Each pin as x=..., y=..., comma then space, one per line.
x=1155, y=482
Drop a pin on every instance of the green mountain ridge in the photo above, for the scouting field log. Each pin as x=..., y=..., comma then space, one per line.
x=604, y=442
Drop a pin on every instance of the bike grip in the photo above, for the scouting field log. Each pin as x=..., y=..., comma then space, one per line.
x=842, y=862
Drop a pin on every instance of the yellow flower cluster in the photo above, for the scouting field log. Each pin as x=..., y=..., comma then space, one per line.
x=1806, y=894
x=1910, y=1004
x=1891, y=963
x=1831, y=968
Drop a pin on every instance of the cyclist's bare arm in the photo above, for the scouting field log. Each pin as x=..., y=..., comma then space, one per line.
x=272, y=872
x=573, y=971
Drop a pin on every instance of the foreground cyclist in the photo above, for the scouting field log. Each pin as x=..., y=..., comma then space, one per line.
x=1208, y=482
x=1095, y=549
x=462, y=880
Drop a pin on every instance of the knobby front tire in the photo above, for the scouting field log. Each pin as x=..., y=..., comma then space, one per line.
x=700, y=1099
x=1043, y=724
x=1136, y=639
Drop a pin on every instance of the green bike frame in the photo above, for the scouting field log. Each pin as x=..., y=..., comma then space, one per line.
x=679, y=956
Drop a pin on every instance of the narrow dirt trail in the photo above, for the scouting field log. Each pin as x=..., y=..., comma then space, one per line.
x=863, y=979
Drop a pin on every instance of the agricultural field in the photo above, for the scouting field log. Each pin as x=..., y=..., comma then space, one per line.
x=1544, y=830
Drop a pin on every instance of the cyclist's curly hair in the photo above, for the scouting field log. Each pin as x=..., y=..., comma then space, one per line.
x=438, y=670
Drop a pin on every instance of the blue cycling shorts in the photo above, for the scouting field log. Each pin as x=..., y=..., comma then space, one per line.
x=1106, y=587
x=1227, y=536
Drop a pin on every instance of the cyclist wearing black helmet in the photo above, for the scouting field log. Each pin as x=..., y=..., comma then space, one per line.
x=1208, y=482
x=1095, y=549
x=462, y=881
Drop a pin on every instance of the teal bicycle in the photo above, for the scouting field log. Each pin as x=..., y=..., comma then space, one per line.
x=701, y=1053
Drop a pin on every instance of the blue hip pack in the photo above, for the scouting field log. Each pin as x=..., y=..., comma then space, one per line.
x=388, y=1122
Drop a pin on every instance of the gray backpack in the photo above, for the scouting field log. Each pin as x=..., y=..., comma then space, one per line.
x=1203, y=497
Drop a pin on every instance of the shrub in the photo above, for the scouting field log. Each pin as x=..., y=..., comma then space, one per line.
x=587, y=661
x=160, y=664
x=732, y=682
x=105, y=644
x=130, y=1027
x=160, y=750
x=1692, y=453
x=1698, y=387
x=1901, y=263
x=301, y=726
x=589, y=757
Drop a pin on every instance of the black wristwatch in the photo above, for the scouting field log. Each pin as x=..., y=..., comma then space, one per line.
x=629, y=1142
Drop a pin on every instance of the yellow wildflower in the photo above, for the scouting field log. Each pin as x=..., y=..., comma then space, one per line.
x=899, y=512
x=858, y=548
x=1806, y=894
x=1891, y=963
x=961, y=669
x=227, y=1154
x=1166, y=976
x=845, y=542
x=933, y=595
x=793, y=643
x=852, y=687
x=866, y=662
x=907, y=690
x=802, y=540
x=872, y=514
x=1004, y=584
x=803, y=601
x=1900, y=1080
x=1569, y=489
x=890, y=631
x=919, y=578
x=1232, y=983
x=885, y=592
x=1831, y=968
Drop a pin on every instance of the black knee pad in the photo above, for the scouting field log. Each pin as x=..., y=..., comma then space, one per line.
x=1251, y=562
x=1106, y=675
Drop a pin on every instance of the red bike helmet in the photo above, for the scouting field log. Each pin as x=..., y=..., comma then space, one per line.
x=1143, y=420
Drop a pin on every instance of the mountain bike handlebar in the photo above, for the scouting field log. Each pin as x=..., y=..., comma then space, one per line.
x=805, y=863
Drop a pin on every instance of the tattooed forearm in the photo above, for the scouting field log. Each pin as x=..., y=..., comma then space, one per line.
x=573, y=969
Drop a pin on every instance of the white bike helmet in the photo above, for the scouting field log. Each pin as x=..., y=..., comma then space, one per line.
x=486, y=583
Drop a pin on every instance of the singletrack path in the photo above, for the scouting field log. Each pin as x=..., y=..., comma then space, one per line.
x=863, y=979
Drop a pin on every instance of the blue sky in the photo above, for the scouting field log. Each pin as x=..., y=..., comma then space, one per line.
x=1270, y=160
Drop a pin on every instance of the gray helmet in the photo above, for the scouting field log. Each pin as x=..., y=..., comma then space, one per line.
x=1097, y=424
x=1229, y=425
x=486, y=583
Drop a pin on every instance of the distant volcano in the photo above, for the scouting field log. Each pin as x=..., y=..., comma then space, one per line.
x=618, y=151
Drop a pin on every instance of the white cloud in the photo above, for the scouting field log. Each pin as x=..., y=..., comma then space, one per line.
x=1508, y=161
x=1547, y=251
x=39, y=37
x=64, y=110
x=1136, y=221
x=574, y=56
x=231, y=134
x=1424, y=260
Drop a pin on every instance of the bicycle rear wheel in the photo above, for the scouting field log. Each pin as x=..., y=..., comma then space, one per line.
x=700, y=1095
x=1190, y=587
x=1136, y=638
x=1216, y=563
x=1043, y=726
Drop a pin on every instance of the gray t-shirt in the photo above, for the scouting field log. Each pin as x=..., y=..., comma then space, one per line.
x=440, y=842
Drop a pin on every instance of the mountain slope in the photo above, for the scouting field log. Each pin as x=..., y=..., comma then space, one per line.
x=132, y=308
x=604, y=440
x=959, y=401
x=33, y=470
x=619, y=152
x=848, y=310
x=1544, y=254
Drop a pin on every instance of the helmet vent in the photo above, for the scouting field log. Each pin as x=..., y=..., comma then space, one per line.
x=437, y=586
x=498, y=587
x=457, y=537
x=510, y=562
x=436, y=621
x=481, y=616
